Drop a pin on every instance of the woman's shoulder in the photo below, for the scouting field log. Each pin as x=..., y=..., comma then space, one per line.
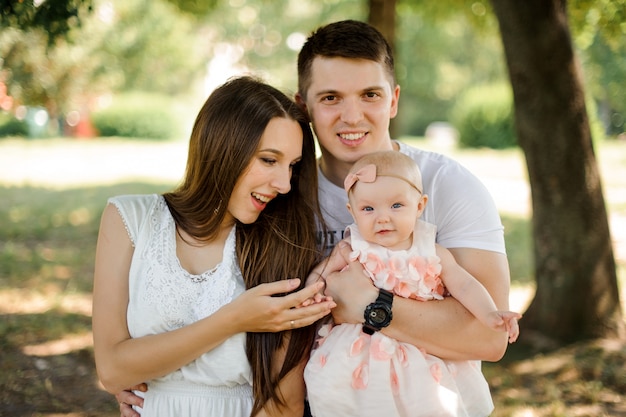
x=136, y=203
x=134, y=209
x=134, y=199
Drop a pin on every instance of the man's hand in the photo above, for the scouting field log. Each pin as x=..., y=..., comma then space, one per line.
x=128, y=398
x=348, y=286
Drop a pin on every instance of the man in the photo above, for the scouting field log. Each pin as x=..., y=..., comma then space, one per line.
x=347, y=84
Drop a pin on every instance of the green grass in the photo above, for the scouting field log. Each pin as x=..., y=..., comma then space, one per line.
x=519, y=249
x=47, y=247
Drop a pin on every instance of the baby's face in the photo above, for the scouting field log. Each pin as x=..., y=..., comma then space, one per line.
x=386, y=211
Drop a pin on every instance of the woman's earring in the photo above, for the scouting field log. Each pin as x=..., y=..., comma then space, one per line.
x=217, y=209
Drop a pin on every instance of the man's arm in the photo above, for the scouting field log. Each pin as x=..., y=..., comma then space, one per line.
x=443, y=328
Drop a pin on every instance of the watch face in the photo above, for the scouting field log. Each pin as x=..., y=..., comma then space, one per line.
x=378, y=315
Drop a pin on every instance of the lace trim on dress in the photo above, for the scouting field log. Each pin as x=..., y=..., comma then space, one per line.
x=202, y=277
x=132, y=241
x=181, y=297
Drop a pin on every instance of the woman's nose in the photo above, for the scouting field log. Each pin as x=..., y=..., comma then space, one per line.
x=282, y=181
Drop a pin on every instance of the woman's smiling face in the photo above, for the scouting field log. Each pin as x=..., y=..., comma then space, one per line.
x=269, y=172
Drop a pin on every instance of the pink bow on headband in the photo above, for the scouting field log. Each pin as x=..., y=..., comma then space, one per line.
x=365, y=174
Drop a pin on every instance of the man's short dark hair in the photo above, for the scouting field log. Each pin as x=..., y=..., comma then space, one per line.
x=344, y=39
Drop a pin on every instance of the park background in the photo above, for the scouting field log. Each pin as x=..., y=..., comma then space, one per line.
x=150, y=65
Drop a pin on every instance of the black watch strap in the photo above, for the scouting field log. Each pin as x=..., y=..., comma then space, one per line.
x=384, y=301
x=385, y=296
x=367, y=329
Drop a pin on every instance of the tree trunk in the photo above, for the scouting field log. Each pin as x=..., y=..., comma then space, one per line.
x=382, y=15
x=577, y=295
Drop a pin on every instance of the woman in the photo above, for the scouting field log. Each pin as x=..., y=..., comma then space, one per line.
x=181, y=278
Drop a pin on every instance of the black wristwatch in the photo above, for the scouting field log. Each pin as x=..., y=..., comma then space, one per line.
x=378, y=314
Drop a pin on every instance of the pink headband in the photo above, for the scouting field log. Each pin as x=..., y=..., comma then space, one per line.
x=365, y=174
x=368, y=174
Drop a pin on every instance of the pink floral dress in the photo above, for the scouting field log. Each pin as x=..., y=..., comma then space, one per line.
x=353, y=374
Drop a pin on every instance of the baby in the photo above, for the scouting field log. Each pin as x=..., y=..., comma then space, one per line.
x=355, y=368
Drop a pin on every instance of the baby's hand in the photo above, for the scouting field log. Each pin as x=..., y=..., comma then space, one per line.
x=505, y=321
x=319, y=297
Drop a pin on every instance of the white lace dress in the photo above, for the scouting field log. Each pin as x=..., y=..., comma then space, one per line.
x=164, y=297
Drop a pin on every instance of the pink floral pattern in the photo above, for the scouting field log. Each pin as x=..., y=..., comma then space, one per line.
x=360, y=376
x=435, y=371
x=386, y=374
x=357, y=346
x=383, y=348
x=410, y=274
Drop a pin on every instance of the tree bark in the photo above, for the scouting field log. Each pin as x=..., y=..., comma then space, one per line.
x=382, y=15
x=577, y=295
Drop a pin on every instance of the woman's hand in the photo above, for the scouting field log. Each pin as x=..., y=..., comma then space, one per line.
x=260, y=309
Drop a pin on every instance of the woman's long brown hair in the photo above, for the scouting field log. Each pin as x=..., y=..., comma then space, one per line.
x=282, y=242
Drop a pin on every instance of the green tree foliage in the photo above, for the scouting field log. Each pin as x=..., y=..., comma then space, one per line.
x=604, y=18
x=599, y=30
x=55, y=18
x=137, y=116
x=448, y=46
x=122, y=45
x=484, y=117
x=195, y=7
x=439, y=54
x=147, y=45
x=10, y=126
x=442, y=48
x=265, y=36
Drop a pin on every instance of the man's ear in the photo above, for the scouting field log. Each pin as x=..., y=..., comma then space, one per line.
x=300, y=101
x=395, y=99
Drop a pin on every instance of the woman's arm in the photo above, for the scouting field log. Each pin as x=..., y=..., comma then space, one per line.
x=123, y=361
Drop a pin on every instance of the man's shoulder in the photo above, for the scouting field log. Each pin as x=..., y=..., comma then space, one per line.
x=432, y=163
x=419, y=155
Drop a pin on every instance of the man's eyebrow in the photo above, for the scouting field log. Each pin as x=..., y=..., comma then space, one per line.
x=326, y=92
x=336, y=92
x=374, y=87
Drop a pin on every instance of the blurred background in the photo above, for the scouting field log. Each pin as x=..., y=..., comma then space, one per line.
x=97, y=98
x=163, y=57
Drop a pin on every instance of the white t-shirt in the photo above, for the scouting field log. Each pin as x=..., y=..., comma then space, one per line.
x=458, y=204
